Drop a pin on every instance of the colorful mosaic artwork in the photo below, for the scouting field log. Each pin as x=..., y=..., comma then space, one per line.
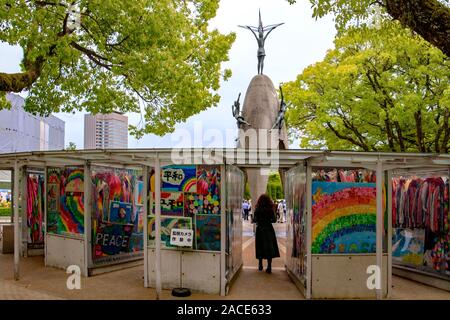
x=71, y=214
x=74, y=180
x=116, y=214
x=207, y=232
x=208, y=186
x=344, y=217
x=200, y=204
x=65, y=206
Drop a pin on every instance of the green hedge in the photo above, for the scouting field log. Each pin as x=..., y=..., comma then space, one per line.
x=5, y=212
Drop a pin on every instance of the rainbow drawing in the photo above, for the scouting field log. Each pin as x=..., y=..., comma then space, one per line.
x=74, y=180
x=71, y=215
x=343, y=217
x=179, y=178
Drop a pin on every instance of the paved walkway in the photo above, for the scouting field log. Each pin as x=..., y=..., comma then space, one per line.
x=39, y=282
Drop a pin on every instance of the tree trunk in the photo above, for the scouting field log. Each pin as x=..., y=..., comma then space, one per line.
x=428, y=18
x=419, y=131
x=445, y=141
x=16, y=82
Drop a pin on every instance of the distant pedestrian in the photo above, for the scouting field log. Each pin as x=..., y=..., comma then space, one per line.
x=266, y=240
x=245, y=207
x=280, y=211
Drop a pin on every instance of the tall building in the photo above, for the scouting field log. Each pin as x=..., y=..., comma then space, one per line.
x=106, y=131
x=21, y=131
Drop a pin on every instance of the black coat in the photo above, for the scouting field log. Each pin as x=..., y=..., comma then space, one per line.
x=266, y=240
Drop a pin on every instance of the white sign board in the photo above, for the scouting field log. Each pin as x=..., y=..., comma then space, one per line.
x=181, y=237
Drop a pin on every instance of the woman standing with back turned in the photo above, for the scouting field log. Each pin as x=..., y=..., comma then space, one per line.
x=266, y=240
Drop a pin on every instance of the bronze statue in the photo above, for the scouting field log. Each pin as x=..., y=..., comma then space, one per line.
x=237, y=113
x=261, y=39
x=280, y=118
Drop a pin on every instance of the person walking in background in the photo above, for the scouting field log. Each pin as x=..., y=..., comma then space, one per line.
x=280, y=211
x=245, y=207
x=266, y=240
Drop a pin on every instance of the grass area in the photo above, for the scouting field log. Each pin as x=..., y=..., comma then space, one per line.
x=5, y=212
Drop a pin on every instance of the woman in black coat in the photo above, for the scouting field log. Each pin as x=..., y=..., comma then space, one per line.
x=266, y=240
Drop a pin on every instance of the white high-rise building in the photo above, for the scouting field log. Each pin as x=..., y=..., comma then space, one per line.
x=106, y=131
x=21, y=131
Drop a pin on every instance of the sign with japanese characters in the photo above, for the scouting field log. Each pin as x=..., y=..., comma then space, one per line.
x=181, y=237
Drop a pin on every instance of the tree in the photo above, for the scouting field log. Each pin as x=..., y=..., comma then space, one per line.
x=247, y=194
x=71, y=146
x=429, y=18
x=274, y=189
x=378, y=90
x=106, y=55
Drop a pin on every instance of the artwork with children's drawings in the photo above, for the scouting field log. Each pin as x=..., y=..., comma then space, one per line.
x=172, y=204
x=179, y=178
x=65, y=201
x=208, y=189
x=408, y=246
x=207, y=232
x=343, y=217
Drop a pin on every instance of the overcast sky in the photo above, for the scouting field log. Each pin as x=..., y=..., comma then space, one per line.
x=290, y=48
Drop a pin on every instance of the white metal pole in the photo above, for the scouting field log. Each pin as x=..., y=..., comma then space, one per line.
x=308, y=231
x=16, y=222
x=87, y=188
x=223, y=278
x=389, y=232
x=379, y=225
x=158, y=226
x=145, y=213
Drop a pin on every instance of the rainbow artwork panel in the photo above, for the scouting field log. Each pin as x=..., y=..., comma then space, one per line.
x=74, y=180
x=71, y=215
x=65, y=201
x=343, y=217
x=179, y=178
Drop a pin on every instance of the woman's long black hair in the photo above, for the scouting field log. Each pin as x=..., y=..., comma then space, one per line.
x=264, y=202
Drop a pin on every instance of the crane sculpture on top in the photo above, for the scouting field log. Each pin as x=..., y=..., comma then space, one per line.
x=263, y=32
